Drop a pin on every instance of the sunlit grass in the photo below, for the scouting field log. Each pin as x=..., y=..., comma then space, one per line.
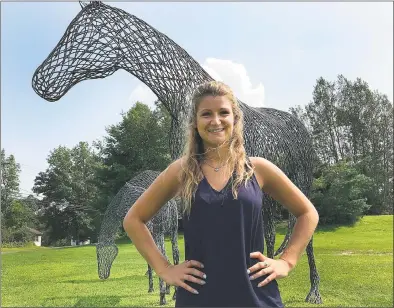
x=355, y=265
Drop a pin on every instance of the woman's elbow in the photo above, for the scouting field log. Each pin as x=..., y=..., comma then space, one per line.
x=128, y=220
x=314, y=216
x=311, y=215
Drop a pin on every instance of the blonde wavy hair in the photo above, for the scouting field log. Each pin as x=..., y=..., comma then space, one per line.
x=194, y=153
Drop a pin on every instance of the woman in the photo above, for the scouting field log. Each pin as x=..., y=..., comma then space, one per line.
x=222, y=191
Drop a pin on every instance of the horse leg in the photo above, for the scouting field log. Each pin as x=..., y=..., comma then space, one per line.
x=314, y=296
x=290, y=225
x=160, y=244
x=162, y=287
x=168, y=290
x=151, y=289
x=175, y=252
x=269, y=226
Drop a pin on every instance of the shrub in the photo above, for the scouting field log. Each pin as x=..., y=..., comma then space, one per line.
x=340, y=194
x=61, y=243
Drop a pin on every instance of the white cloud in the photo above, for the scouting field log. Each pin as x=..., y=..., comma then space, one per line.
x=233, y=74
x=236, y=76
x=144, y=95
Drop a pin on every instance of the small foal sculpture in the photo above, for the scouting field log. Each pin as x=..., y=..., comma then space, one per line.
x=165, y=222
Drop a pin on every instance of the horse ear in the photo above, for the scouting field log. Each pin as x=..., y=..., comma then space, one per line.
x=85, y=3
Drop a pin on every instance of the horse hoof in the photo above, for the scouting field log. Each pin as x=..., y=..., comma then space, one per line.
x=314, y=297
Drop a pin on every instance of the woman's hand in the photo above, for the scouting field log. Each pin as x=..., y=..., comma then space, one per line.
x=277, y=268
x=176, y=275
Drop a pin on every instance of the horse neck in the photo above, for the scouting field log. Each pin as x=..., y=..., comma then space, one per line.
x=167, y=69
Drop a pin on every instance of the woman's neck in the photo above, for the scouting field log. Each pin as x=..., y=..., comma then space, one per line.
x=216, y=156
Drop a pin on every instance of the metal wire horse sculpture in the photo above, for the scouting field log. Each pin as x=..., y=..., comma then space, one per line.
x=102, y=39
x=165, y=222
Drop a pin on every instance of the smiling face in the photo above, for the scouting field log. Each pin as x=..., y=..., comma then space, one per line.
x=215, y=120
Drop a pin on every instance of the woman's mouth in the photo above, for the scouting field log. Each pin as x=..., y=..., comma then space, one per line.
x=215, y=130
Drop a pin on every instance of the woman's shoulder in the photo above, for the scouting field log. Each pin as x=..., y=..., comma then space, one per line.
x=175, y=167
x=170, y=178
x=256, y=160
x=262, y=168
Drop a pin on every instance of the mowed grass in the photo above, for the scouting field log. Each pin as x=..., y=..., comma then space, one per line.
x=355, y=265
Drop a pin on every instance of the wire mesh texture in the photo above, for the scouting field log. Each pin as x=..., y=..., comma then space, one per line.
x=165, y=222
x=102, y=39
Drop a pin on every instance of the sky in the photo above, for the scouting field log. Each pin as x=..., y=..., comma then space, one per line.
x=271, y=54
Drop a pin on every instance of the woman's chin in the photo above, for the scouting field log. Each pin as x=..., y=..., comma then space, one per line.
x=215, y=142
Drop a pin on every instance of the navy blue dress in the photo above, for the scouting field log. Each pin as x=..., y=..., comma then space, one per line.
x=221, y=233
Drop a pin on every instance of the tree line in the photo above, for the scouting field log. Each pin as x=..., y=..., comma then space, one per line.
x=351, y=127
x=352, y=131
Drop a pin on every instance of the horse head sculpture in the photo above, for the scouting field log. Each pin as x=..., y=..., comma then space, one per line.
x=102, y=39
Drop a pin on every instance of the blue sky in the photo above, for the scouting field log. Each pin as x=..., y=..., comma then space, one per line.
x=270, y=53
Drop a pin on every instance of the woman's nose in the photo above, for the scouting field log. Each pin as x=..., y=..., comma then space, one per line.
x=215, y=120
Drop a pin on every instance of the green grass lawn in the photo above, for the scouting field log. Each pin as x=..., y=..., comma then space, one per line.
x=355, y=265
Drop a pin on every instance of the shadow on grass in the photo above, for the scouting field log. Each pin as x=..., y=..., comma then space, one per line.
x=126, y=240
x=97, y=301
x=122, y=241
x=71, y=247
x=303, y=304
x=86, y=301
x=328, y=228
x=334, y=227
x=281, y=227
x=94, y=301
x=124, y=278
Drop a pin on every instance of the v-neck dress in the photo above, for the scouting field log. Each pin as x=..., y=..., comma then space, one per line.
x=221, y=233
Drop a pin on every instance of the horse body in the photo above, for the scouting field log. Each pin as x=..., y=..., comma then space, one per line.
x=102, y=39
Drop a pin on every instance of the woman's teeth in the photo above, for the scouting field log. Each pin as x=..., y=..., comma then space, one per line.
x=215, y=130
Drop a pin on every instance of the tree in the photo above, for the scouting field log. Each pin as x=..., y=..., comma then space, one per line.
x=10, y=170
x=321, y=113
x=55, y=182
x=31, y=202
x=69, y=190
x=15, y=222
x=349, y=121
x=378, y=161
x=139, y=142
x=16, y=213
